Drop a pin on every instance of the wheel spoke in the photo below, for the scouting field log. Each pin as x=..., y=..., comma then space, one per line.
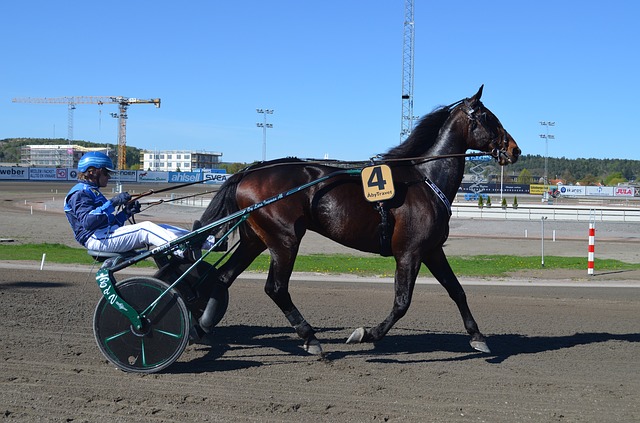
x=173, y=335
x=144, y=354
x=116, y=336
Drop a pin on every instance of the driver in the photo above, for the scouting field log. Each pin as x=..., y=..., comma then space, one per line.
x=98, y=226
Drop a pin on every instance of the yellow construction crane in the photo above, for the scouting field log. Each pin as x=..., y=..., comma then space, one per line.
x=122, y=102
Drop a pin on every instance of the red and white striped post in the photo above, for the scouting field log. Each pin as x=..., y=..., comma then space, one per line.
x=592, y=250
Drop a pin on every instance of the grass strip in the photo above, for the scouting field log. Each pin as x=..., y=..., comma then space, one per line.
x=479, y=266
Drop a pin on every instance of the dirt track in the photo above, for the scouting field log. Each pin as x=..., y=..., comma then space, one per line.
x=560, y=354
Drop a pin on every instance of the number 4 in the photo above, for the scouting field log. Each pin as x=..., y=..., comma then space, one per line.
x=376, y=179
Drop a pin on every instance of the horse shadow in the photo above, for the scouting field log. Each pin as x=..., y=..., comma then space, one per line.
x=503, y=346
x=236, y=337
x=396, y=349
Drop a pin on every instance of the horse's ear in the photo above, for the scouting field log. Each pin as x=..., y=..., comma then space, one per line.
x=477, y=96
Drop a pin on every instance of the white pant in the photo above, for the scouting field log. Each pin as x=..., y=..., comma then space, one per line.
x=139, y=235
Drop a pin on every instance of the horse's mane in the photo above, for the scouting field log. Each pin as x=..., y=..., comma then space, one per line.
x=422, y=137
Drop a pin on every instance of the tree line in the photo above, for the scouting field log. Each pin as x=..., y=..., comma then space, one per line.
x=530, y=169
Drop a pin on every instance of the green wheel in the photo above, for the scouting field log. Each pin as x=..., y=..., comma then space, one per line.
x=165, y=329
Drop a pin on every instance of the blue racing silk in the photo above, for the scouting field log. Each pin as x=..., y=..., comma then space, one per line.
x=88, y=210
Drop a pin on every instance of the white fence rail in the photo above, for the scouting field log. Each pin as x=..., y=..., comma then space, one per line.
x=573, y=213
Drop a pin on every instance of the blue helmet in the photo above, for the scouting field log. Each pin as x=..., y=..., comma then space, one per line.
x=95, y=159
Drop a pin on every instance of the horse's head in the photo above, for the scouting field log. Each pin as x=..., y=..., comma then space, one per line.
x=486, y=133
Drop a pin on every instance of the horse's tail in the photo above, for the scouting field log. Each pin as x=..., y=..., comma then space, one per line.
x=222, y=205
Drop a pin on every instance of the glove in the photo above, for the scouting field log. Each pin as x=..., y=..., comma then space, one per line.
x=132, y=208
x=120, y=199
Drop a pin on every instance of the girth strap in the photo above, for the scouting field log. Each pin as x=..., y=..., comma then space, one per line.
x=384, y=230
x=439, y=193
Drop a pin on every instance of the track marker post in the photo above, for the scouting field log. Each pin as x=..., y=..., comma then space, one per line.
x=542, y=219
x=592, y=242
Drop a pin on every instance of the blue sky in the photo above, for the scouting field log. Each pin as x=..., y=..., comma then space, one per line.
x=331, y=70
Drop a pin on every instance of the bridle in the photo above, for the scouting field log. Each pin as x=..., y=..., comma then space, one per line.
x=499, y=144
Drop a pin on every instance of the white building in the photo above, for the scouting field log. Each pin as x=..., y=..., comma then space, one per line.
x=54, y=155
x=179, y=160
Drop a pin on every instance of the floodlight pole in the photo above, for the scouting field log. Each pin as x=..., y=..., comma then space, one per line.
x=547, y=136
x=264, y=125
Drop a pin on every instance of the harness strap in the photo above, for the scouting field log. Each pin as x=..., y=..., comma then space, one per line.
x=439, y=193
x=383, y=227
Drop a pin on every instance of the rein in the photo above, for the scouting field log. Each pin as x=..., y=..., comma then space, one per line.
x=421, y=159
x=161, y=201
x=378, y=158
x=132, y=219
x=151, y=191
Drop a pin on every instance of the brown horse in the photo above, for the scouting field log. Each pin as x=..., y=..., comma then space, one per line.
x=412, y=226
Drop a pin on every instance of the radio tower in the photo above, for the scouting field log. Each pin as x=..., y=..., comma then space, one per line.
x=407, y=72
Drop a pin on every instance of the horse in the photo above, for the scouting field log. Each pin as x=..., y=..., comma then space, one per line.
x=427, y=169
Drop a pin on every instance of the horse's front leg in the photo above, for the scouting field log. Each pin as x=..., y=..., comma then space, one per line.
x=405, y=278
x=439, y=266
x=277, y=288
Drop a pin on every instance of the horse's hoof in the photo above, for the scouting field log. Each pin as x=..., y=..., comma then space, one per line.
x=313, y=347
x=480, y=346
x=356, y=337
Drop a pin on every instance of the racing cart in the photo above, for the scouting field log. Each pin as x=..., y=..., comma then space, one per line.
x=143, y=324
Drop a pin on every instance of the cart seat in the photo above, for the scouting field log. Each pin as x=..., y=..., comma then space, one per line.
x=103, y=255
x=110, y=259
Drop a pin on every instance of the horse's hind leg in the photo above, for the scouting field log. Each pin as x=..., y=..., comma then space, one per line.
x=439, y=266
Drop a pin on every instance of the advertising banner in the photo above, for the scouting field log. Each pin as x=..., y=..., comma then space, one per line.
x=125, y=176
x=572, y=190
x=624, y=191
x=600, y=191
x=121, y=176
x=215, y=178
x=47, y=174
x=72, y=174
x=479, y=158
x=14, y=173
x=151, y=176
x=494, y=188
x=539, y=189
x=184, y=177
x=514, y=188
